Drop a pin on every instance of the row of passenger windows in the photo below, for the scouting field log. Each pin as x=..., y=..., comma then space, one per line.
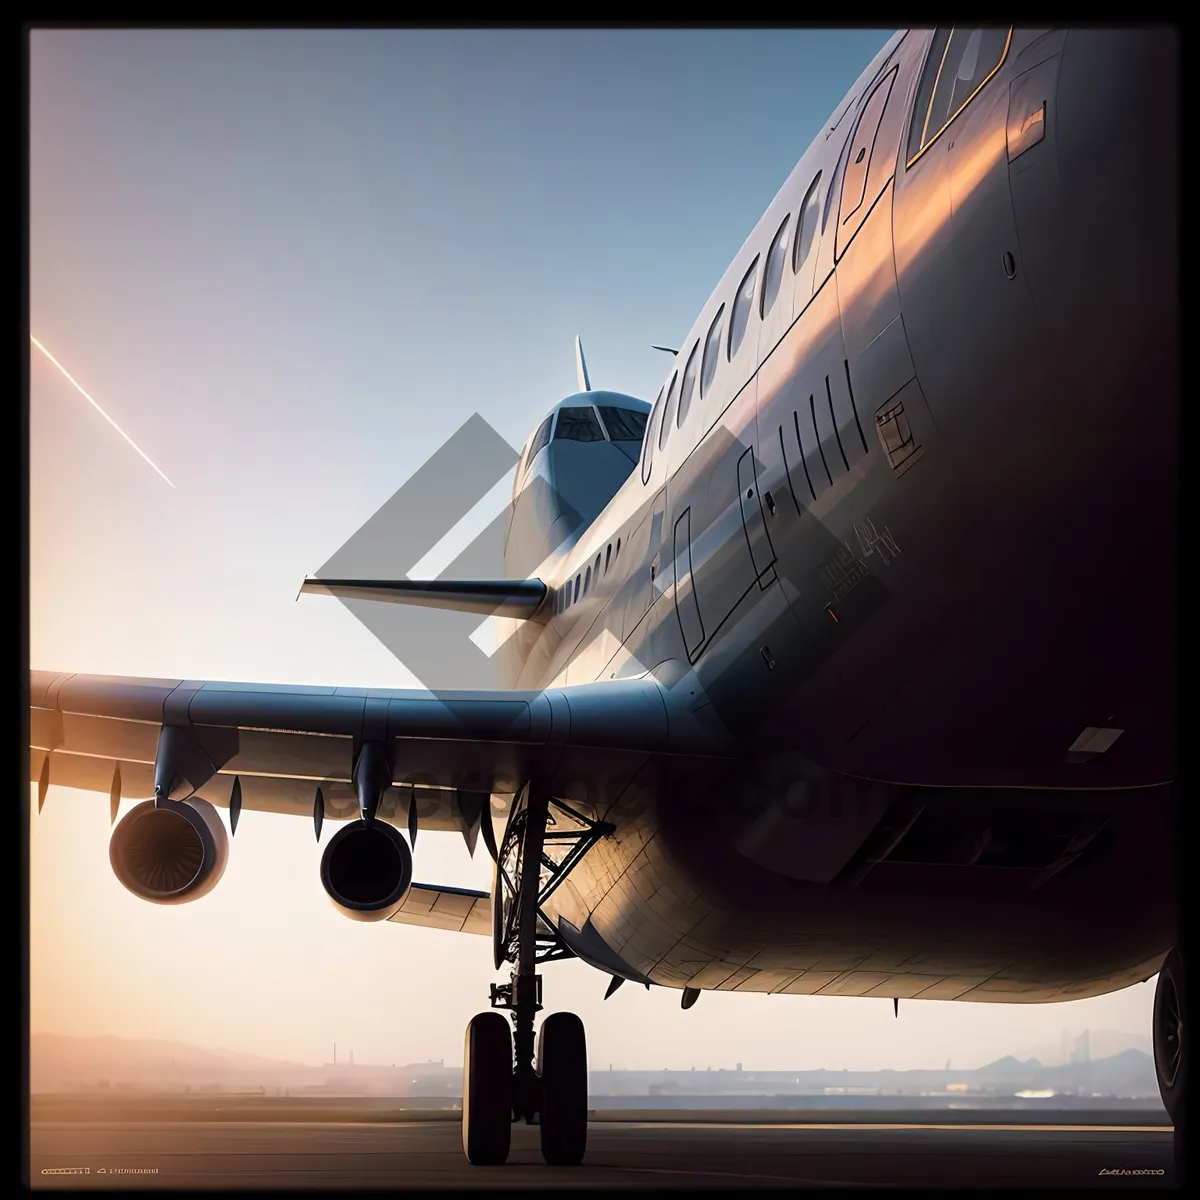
x=674, y=412
x=571, y=591
x=959, y=63
x=589, y=423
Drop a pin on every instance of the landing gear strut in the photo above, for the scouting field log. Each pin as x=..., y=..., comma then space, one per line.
x=507, y=1077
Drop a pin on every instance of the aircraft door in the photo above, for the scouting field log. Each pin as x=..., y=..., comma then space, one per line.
x=878, y=360
x=762, y=553
x=647, y=581
x=687, y=606
x=723, y=571
x=867, y=151
x=969, y=315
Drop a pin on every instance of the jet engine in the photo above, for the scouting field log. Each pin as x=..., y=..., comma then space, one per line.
x=366, y=870
x=170, y=854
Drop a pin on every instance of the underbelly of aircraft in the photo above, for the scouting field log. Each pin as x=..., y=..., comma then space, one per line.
x=997, y=895
x=1028, y=687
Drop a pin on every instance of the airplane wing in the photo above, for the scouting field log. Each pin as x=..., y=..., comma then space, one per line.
x=520, y=598
x=292, y=749
x=462, y=910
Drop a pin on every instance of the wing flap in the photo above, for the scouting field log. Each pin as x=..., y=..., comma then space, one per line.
x=461, y=910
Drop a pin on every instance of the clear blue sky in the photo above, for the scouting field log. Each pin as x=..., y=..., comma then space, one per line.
x=290, y=265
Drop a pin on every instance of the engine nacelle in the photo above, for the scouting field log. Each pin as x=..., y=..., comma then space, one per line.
x=366, y=870
x=170, y=854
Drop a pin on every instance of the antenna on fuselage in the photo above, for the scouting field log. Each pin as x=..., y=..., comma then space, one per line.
x=585, y=384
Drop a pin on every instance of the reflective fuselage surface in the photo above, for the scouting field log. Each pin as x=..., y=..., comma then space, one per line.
x=882, y=543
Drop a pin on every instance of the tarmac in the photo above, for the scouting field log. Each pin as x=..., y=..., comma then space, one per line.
x=667, y=1151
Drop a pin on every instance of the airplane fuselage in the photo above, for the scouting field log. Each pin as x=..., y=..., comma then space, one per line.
x=887, y=552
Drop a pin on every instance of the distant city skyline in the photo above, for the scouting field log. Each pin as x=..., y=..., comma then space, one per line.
x=62, y=1066
x=1074, y=1047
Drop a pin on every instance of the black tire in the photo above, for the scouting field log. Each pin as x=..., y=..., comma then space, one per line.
x=1171, y=1037
x=562, y=1065
x=487, y=1090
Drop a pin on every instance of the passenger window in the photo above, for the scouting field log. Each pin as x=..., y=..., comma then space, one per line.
x=578, y=425
x=712, y=350
x=618, y=551
x=587, y=581
x=741, y=309
x=774, y=270
x=576, y=595
x=960, y=62
x=668, y=414
x=688, y=386
x=623, y=424
x=596, y=567
x=607, y=556
x=648, y=444
x=806, y=231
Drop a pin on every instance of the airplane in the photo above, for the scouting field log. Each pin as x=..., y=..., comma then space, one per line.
x=824, y=674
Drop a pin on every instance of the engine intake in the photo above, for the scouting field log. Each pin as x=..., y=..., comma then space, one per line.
x=170, y=854
x=366, y=870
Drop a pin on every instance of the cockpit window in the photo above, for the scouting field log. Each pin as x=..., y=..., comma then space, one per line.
x=959, y=63
x=539, y=439
x=624, y=424
x=578, y=425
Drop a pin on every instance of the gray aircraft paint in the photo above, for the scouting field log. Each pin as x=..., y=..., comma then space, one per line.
x=855, y=774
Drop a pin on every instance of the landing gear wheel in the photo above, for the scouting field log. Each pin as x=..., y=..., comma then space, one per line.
x=1171, y=1050
x=562, y=1066
x=1170, y=1040
x=487, y=1090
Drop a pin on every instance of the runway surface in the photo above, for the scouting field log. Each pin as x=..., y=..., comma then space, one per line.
x=656, y=1154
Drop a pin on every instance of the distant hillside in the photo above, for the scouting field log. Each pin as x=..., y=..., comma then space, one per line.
x=144, y=1051
x=58, y=1063
x=1102, y=1043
